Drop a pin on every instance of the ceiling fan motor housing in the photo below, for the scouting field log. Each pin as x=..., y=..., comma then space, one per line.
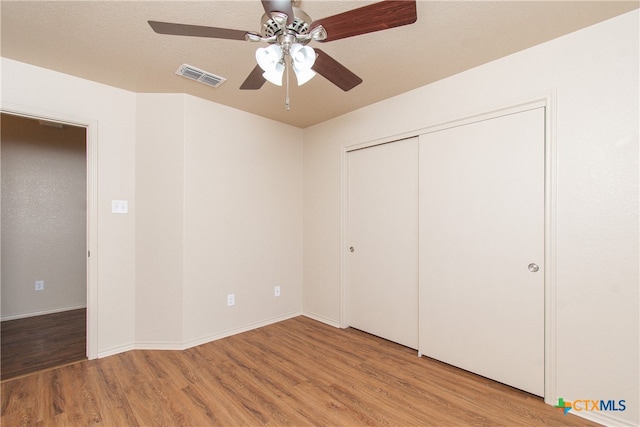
x=276, y=24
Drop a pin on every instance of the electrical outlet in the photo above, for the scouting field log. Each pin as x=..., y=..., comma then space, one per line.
x=276, y=291
x=39, y=285
x=231, y=300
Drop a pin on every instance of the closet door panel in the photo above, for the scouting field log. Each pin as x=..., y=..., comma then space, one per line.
x=482, y=248
x=382, y=290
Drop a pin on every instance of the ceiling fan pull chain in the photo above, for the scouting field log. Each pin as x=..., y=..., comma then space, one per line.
x=286, y=101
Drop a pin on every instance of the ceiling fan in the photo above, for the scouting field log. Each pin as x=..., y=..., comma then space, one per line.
x=288, y=31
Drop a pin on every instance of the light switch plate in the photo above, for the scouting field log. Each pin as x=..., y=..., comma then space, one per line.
x=119, y=206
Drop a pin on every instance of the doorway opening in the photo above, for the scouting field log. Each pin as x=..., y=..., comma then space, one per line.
x=44, y=244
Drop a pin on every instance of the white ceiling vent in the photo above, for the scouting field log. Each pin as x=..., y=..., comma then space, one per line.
x=197, y=74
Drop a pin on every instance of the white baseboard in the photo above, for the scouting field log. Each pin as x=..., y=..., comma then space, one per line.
x=157, y=345
x=115, y=350
x=239, y=330
x=151, y=345
x=322, y=319
x=42, y=312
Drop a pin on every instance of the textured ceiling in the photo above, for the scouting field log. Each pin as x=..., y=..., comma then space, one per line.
x=110, y=42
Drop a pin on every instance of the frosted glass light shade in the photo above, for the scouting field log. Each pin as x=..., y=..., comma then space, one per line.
x=303, y=57
x=275, y=76
x=269, y=57
x=303, y=76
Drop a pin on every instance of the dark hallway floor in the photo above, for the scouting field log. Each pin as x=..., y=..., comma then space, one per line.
x=41, y=342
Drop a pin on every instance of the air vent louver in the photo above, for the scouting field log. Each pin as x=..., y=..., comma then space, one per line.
x=199, y=75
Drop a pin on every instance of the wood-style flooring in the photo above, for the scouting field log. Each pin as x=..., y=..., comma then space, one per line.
x=41, y=342
x=297, y=372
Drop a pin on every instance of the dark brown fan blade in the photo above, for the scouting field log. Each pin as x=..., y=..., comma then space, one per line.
x=196, y=31
x=335, y=72
x=282, y=6
x=254, y=80
x=368, y=19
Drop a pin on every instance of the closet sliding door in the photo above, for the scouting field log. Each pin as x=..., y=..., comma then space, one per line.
x=482, y=248
x=382, y=289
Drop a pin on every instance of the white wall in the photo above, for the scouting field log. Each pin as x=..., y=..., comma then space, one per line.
x=159, y=220
x=219, y=196
x=215, y=207
x=595, y=73
x=44, y=214
x=243, y=220
x=112, y=114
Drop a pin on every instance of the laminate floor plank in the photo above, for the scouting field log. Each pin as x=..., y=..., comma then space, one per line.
x=298, y=372
x=164, y=389
x=77, y=402
x=111, y=397
x=277, y=377
x=344, y=362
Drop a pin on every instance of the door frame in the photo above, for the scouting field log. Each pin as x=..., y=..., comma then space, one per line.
x=91, y=126
x=547, y=100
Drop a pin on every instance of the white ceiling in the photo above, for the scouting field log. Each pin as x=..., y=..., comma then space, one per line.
x=110, y=42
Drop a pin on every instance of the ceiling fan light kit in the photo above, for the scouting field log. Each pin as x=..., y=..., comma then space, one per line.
x=274, y=59
x=288, y=30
